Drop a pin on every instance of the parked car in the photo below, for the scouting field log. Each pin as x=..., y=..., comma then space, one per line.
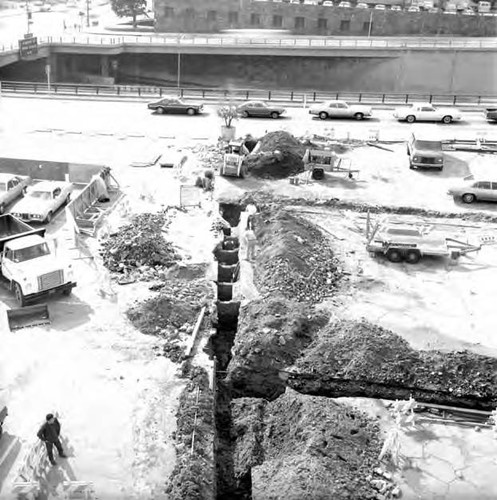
x=341, y=109
x=328, y=3
x=259, y=109
x=175, y=105
x=11, y=187
x=484, y=7
x=379, y=6
x=425, y=112
x=413, y=8
x=42, y=200
x=396, y=8
x=346, y=5
x=468, y=12
x=423, y=152
x=362, y=6
x=475, y=190
x=491, y=114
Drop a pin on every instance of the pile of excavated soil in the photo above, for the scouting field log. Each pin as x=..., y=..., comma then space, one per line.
x=271, y=335
x=280, y=155
x=359, y=358
x=193, y=475
x=295, y=259
x=304, y=447
x=140, y=246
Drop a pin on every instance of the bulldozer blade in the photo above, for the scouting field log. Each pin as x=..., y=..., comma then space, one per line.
x=25, y=317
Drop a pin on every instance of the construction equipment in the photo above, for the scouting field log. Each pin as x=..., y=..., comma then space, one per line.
x=320, y=161
x=234, y=163
x=25, y=317
x=409, y=241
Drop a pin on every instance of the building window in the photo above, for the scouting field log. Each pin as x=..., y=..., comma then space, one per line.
x=189, y=13
x=233, y=17
x=345, y=25
x=211, y=15
x=169, y=12
x=366, y=27
x=322, y=23
x=299, y=22
x=277, y=21
x=255, y=19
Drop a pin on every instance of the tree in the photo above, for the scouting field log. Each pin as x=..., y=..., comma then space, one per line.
x=129, y=8
x=228, y=113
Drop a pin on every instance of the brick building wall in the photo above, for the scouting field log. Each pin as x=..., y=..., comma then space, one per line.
x=211, y=16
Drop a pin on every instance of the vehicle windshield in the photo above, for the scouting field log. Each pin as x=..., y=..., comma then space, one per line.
x=41, y=195
x=3, y=187
x=30, y=253
x=433, y=145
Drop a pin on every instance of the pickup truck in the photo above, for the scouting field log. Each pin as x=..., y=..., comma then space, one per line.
x=11, y=187
x=28, y=264
x=425, y=153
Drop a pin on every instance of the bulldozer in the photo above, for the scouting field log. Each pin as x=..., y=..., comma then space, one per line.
x=234, y=163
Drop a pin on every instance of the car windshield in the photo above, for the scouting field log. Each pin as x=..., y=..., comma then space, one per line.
x=41, y=195
x=3, y=187
x=30, y=253
x=433, y=145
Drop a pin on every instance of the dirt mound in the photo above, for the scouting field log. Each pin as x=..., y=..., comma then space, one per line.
x=295, y=259
x=140, y=245
x=271, y=334
x=280, y=155
x=193, y=474
x=304, y=447
x=361, y=359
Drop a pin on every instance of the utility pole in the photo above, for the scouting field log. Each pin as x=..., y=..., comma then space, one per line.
x=87, y=13
x=28, y=17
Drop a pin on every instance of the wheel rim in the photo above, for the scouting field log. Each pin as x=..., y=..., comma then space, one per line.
x=394, y=256
x=410, y=119
x=18, y=293
x=245, y=114
x=412, y=257
x=358, y=116
x=468, y=198
x=274, y=115
x=49, y=217
x=160, y=111
x=191, y=111
x=447, y=119
x=323, y=116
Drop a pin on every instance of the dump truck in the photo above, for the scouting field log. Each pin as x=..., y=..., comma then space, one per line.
x=234, y=163
x=28, y=264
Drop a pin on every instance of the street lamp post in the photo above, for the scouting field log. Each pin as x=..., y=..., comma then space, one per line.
x=87, y=13
x=29, y=15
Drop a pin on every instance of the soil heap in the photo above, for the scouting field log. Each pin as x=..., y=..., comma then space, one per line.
x=295, y=258
x=140, y=246
x=279, y=155
x=300, y=447
x=350, y=358
x=270, y=337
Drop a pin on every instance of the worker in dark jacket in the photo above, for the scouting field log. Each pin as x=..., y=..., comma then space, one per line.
x=49, y=433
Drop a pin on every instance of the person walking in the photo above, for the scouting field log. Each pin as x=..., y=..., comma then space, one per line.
x=49, y=433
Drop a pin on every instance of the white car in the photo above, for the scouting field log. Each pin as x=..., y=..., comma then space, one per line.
x=426, y=112
x=346, y=5
x=43, y=200
x=379, y=6
x=11, y=187
x=468, y=12
x=475, y=190
x=396, y=8
x=413, y=8
x=341, y=109
x=328, y=3
x=362, y=6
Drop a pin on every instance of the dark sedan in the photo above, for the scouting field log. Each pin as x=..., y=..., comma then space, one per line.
x=259, y=109
x=175, y=105
x=491, y=114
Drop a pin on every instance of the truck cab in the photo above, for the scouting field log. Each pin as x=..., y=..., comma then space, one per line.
x=424, y=152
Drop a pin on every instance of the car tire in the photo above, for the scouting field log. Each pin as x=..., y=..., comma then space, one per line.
x=323, y=115
x=16, y=288
x=440, y=169
x=48, y=218
x=468, y=198
x=359, y=116
x=274, y=115
x=2, y=208
x=447, y=119
x=190, y=111
x=161, y=111
x=245, y=114
x=394, y=255
x=410, y=119
x=413, y=256
x=411, y=166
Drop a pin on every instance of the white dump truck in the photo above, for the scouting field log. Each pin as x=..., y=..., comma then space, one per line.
x=28, y=264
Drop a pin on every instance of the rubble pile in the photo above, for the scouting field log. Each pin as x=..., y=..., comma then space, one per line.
x=193, y=475
x=279, y=155
x=209, y=157
x=270, y=337
x=295, y=259
x=140, y=247
x=303, y=447
x=359, y=358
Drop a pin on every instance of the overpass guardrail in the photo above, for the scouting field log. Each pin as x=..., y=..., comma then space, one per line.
x=300, y=97
x=246, y=41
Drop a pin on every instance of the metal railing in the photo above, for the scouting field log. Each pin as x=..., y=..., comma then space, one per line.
x=222, y=95
x=105, y=40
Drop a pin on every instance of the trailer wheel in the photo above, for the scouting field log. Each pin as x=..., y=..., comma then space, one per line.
x=394, y=255
x=18, y=293
x=413, y=256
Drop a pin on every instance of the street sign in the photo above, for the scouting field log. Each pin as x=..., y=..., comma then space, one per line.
x=28, y=47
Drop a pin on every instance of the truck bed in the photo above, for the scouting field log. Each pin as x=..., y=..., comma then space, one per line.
x=11, y=227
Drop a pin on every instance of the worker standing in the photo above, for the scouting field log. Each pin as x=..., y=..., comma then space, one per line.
x=49, y=433
x=251, y=242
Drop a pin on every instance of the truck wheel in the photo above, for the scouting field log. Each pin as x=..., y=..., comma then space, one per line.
x=2, y=208
x=323, y=115
x=468, y=198
x=18, y=293
x=413, y=256
x=410, y=119
x=394, y=255
x=447, y=119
